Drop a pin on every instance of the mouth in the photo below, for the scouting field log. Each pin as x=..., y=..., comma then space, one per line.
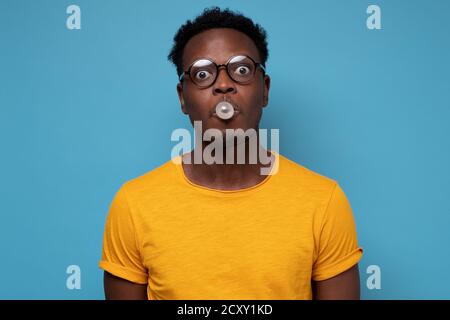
x=235, y=114
x=225, y=110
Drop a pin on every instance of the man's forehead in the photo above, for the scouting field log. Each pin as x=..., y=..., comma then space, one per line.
x=219, y=45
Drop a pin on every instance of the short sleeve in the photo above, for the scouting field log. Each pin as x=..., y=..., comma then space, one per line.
x=336, y=241
x=121, y=250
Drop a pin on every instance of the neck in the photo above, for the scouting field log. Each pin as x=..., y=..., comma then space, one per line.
x=231, y=174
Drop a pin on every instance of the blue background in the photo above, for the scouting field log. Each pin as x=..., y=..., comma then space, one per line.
x=82, y=111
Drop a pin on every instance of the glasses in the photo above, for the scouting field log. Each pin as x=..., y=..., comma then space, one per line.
x=203, y=72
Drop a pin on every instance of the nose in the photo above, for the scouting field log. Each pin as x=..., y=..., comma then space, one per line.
x=223, y=84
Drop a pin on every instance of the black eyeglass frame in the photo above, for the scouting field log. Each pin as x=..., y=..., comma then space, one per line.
x=218, y=66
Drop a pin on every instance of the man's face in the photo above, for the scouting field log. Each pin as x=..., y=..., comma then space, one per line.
x=199, y=103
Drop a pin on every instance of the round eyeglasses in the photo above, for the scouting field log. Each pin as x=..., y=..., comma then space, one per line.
x=203, y=72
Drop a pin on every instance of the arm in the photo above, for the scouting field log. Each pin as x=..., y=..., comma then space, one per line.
x=344, y=286
x=125, y=276
x=120, y=289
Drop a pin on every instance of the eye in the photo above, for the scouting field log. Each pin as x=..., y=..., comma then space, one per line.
x=242, y=70
x=202, y=75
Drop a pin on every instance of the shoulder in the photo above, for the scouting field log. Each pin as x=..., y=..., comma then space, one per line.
x=299, y=177
x=150, y=182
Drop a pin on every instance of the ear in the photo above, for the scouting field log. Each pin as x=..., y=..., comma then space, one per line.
x=266, y=90
x=181, y=98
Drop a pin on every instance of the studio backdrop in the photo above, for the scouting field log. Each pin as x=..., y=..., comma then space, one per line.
x=360, y=93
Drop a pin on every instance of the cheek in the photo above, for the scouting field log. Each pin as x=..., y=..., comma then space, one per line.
x=192, y=98
x=197, y=104
x=254, y=100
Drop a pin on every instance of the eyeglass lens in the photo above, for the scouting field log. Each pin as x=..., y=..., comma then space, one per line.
x=240, y=68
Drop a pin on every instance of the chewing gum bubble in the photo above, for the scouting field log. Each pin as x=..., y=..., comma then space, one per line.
x=224, y=110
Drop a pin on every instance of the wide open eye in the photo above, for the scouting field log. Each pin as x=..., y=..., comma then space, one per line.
x=203, y=71
x=242, y=70
x=202, y=75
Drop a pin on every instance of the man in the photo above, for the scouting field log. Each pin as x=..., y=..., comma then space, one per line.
x=188, y=230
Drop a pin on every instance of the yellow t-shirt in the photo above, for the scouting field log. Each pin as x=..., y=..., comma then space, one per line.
x=186, y=241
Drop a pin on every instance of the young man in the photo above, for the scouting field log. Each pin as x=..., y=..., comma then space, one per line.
x=188, y=230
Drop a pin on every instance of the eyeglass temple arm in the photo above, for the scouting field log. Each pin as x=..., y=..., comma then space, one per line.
x=262, y=67
x=180, y=78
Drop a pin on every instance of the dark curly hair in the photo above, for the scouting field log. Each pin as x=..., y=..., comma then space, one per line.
x=211, y=18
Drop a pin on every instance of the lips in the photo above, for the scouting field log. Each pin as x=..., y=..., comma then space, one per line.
x=235, y=108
